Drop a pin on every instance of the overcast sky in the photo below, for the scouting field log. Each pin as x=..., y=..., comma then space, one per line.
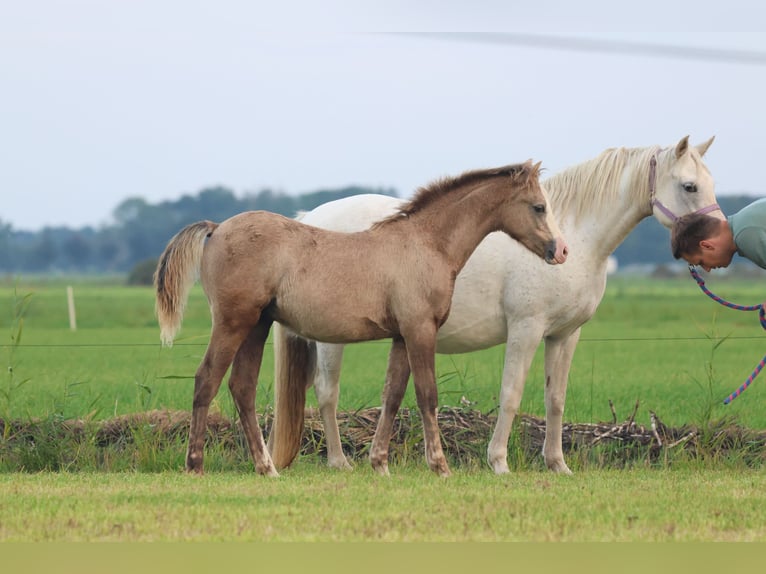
x=105, y=100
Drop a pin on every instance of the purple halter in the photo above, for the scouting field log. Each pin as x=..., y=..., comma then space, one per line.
x=658, y=204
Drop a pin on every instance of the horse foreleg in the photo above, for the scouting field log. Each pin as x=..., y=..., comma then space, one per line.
x=220, y=352
x=327, y=389
x=558, y=359
x=243, y=384
x=519, y=352
x=393, y=392
x=422, y=357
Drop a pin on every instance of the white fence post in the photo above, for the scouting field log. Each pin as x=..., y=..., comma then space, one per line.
x=70, y=302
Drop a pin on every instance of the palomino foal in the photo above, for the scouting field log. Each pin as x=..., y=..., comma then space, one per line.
x=394, y=280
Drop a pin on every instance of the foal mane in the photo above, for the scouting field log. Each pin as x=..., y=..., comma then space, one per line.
x=444, y=186
x=596, y=183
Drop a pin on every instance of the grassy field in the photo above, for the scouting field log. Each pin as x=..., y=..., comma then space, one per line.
x=311, y=503
x=662, y=343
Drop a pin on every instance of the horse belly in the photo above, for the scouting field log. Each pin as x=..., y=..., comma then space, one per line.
x=342, y=315
x=341, y=329
x=477, y=318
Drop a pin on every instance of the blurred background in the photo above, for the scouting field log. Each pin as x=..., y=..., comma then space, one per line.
x=122, y=121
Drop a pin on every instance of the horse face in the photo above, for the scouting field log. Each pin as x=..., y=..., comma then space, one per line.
x=531, y=222
x=683, y=183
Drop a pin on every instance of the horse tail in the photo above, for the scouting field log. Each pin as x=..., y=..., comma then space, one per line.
x=295, y=361
x=177, y=270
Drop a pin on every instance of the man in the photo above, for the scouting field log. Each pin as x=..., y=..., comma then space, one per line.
x=711, y=243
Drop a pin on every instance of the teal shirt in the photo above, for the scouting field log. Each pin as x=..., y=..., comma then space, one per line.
x=748, y=226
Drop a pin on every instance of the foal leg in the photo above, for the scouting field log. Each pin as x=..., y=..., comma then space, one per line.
x=243, y=383
x=558, y=359
x=220, y=352
x=519, y=352
x=327, y=387
x=396, y=383
x=421, y=352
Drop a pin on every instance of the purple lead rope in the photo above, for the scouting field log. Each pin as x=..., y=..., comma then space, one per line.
x=762, y=316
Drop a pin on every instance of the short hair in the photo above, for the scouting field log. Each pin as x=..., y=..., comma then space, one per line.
x=689, y=230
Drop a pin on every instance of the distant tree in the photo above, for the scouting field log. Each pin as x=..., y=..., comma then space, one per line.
x=42, y=256
x=142, y=272
x=6, y=250
x=269, y=200
x=129, y=210
x=76, y=250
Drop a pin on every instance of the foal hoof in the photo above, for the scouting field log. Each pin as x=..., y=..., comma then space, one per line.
x=270, y=472
x=441, y=469
x=194, y=468
x=381, y=468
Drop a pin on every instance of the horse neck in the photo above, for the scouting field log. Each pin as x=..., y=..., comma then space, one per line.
x=597, y=210
x=455, y=228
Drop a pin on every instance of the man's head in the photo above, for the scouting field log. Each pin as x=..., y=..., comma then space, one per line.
x=702, y=240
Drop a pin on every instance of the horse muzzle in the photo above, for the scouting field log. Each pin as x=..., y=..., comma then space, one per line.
x=556, y=252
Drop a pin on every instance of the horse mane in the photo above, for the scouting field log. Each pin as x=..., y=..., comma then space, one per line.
x=439, y=188
x=594, y=183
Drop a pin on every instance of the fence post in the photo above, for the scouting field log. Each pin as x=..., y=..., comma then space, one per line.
x=70, y=303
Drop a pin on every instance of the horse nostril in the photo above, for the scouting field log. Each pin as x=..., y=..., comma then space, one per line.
x=550, y=251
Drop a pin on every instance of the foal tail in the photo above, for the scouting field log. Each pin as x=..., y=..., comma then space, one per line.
x=177, y=270
x=295, y=362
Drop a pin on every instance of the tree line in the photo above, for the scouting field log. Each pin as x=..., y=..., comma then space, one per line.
x=141, y=230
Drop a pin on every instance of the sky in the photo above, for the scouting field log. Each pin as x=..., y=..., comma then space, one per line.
x=101, y=101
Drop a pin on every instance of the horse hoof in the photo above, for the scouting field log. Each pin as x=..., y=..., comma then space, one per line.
x=499, y=466
x=195, y=471
x=340, y=464
x=440, y=467
x=559, y=467
x=269, y=471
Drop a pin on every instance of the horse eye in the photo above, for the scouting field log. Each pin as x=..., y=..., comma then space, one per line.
x=539, y=208
x=690, y=187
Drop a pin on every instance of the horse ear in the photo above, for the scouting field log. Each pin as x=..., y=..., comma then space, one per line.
x=703, y=147
x=682, y=146
x=536, y=168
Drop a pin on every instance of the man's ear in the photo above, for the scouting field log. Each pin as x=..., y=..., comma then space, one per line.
x=707, y=245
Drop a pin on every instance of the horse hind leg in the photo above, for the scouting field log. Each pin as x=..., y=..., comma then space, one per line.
x=327, y=387
x=243, y=384
x=219, y=355
x=393, y=392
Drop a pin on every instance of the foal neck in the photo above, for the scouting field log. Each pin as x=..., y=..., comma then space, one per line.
x=456, y=224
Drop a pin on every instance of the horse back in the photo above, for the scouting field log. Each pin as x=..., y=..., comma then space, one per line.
x=324, y=285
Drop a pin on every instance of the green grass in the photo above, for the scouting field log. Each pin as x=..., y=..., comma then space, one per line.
x=311, y=503
x=652, y=341
x=662, y=343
